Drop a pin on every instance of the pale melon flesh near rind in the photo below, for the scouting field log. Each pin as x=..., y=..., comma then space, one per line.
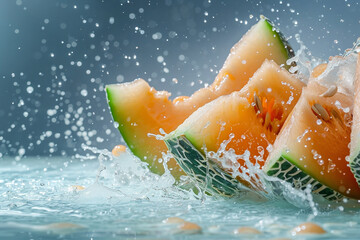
x=139, y=109
x=355, y=129
x=292, y=158
x=203, y=126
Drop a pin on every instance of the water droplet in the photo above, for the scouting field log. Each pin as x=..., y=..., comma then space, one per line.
x=120, y=78
x=157, y=36
x=29, y=89
x=84, y=92
x=160, y=59
x=132, y=15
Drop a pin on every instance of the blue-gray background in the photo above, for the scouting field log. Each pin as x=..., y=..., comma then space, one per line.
x=56, y=56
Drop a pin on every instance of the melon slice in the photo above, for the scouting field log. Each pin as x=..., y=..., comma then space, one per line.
x=312, y=146
x=140, y=109
x=253, y=116
x=355, y=131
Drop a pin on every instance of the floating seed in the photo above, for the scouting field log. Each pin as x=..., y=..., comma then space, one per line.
x=330, y=92
x=118, y=150
x=320, y=111
x=308, y=228
x=258, y=103
x=172, y=220
x=190, y=228
x=247, y=230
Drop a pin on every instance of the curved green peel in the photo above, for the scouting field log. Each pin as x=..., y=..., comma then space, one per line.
x=202, y=170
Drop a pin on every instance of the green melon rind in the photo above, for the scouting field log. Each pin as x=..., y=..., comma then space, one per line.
x=355, y=166
x=288, y=51
x=354, y=162
x=283, y=167
x=117, y=116
x=201, y=169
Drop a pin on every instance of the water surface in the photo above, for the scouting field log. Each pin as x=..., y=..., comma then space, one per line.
x=39, y=201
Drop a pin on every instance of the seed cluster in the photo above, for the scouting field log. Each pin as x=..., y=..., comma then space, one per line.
x=268, y=123
x=320, y=111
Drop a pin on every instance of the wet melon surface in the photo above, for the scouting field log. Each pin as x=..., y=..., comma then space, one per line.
x=355, y=130
x=312, y=146
x=252, y=117
x=139, y=109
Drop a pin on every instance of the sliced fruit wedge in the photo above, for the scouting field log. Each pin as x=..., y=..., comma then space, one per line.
x=312, y=146
x=355, y=130
x=253, y=117
x=140, y=109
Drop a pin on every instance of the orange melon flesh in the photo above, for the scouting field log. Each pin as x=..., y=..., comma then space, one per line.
x=238, y=115
x=311, y=150
x=140, y=109
x=318, y=70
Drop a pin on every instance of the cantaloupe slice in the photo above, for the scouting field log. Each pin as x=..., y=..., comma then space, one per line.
x=355, y=130
x=140, y=109
x=253, y=116
x=312, y=146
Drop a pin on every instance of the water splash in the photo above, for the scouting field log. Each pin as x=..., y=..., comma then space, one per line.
x=303, y=62
x=340, y=70
x=261, y=185
x=126, y=178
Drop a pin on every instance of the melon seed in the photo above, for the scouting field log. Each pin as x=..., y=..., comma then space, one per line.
x=247, y=230
x=320, y=111
x=267, y=120
x=190, y=228
x=172, y=220
x=62, y=225
x=337, y=116
x=258, y=103
x=77, y=187
x=330, y=92
x=315, y=110
x=118, y=150
x=280, y=239
x=276, y=126
x=307, y=228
